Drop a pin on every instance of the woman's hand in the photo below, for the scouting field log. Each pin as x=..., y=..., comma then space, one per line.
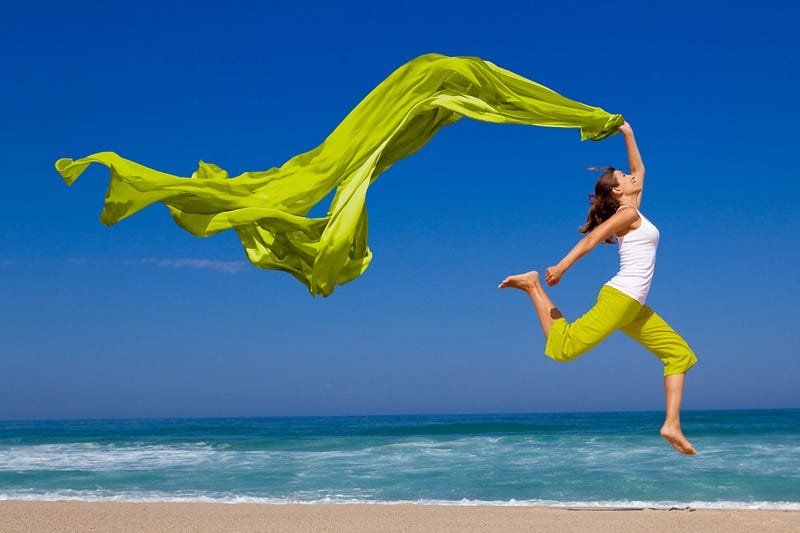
x=553, y=275
x=626, y=128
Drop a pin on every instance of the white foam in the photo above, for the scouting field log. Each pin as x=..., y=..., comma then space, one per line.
x=97, y=457
x=152, y=497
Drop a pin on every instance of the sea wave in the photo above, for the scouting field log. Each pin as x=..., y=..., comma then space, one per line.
x=159, y=497
x=93, y=456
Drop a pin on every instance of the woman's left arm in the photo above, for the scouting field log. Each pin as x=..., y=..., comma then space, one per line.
x=634, y=157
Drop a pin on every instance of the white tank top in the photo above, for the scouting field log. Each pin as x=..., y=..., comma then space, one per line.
x=637, y=260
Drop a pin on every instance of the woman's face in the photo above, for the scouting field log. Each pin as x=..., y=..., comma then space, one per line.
x=628, y=183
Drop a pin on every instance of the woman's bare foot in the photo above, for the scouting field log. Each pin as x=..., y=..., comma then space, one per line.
x=524, y=282
x=674, y=436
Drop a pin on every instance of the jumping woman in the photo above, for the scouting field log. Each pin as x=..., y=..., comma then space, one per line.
x=615, y=217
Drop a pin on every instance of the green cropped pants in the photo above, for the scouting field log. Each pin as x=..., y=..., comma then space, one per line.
x=613, y=311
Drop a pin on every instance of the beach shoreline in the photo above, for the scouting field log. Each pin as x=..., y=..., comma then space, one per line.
x=72, y=515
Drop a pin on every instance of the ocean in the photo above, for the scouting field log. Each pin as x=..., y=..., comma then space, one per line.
x=746, y=459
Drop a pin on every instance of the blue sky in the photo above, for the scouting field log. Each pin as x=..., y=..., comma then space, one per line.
x=143, y=319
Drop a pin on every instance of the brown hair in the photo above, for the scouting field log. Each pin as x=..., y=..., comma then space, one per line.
x=604, y=203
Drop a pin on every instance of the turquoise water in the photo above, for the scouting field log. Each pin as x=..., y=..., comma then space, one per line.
x=746, y=459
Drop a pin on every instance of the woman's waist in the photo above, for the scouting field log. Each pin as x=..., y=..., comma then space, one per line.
x=637, y=292
x=637, y=264
x=635, y=274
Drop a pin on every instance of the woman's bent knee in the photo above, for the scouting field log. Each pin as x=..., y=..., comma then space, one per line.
x=559, y=346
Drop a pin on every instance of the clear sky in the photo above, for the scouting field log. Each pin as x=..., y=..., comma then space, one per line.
x=142, y=319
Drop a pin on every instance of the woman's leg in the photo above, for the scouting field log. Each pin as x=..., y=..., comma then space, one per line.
x=652, y=332
x=545, y=310
x=671, y=430
x=566, y=341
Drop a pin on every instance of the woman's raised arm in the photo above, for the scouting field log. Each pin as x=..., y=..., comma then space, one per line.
x=634, y=157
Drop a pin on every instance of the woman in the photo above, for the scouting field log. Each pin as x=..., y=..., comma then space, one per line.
x=615, y=217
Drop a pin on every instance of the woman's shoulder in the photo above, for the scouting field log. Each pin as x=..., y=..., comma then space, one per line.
x=635, y=224
x=635, y=209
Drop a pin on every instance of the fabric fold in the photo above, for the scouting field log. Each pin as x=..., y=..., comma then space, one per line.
x=268, y=208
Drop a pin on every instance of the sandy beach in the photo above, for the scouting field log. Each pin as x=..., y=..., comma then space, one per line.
x=118, y=516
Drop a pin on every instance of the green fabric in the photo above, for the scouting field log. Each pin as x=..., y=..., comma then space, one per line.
x=267, y=209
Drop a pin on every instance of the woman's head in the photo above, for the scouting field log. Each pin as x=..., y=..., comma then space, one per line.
x=627, y=184
x=610, y=188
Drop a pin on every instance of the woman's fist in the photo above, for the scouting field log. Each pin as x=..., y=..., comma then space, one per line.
x=553, y=275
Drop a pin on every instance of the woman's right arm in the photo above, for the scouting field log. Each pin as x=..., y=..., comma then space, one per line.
x=621, y=220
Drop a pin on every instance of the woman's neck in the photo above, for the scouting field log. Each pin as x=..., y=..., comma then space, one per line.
x=630, y=201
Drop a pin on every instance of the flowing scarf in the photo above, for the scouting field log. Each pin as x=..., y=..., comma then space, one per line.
x=267, y=208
